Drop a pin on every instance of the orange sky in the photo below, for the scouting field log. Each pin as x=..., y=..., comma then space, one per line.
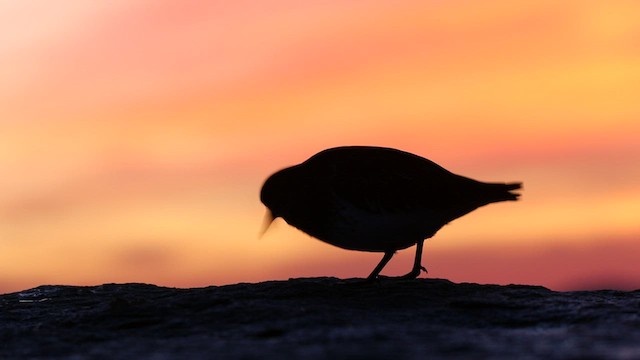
x=135, y=136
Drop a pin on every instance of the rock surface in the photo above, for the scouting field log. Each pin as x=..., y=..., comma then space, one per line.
x=319, y=318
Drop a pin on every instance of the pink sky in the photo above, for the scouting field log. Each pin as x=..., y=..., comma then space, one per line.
x=135, y=136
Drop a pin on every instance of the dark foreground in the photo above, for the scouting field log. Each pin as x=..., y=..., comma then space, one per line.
x=319, y=318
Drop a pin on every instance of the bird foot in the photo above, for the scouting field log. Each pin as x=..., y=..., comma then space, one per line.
x=413, y=274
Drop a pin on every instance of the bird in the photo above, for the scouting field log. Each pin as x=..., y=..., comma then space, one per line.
x=375, y=199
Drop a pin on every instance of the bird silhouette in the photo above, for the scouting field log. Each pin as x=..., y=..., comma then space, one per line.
x=375, y=199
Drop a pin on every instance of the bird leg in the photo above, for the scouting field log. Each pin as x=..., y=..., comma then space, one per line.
x=385, y=259
x=417, y=263
x=414, y=273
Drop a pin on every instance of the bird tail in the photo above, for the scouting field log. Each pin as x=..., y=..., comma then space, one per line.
x=503, y=191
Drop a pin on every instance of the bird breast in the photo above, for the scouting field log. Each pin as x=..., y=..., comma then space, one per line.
x=356, y=229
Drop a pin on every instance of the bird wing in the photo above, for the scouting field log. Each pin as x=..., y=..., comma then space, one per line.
x=395, y=182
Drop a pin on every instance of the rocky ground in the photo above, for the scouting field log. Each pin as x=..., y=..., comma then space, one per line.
x=319, y=318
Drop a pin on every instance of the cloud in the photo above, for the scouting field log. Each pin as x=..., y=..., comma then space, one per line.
x=145, y=256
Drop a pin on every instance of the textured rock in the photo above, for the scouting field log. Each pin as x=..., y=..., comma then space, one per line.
x=319, y=318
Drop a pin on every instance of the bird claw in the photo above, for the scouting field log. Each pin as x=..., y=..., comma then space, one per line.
x=414, y=274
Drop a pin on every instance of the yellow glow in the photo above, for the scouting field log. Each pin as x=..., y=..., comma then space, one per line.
x=134, y=137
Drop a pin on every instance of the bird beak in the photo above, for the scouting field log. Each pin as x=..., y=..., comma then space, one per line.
x=266, y=223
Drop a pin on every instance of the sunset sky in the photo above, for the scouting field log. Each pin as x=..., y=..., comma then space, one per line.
x=135, y=135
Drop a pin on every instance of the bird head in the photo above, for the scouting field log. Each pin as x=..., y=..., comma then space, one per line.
x=277, y=194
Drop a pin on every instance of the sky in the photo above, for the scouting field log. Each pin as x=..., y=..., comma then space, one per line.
x=135, y=135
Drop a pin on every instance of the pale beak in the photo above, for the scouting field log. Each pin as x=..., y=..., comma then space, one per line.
x=266, y=223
